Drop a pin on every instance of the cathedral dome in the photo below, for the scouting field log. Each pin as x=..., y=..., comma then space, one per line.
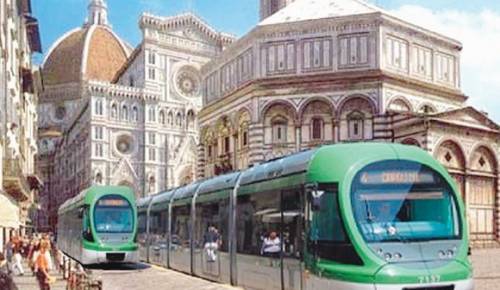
x=93, y=52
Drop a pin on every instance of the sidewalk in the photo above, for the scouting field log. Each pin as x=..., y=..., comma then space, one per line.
x=29, y=282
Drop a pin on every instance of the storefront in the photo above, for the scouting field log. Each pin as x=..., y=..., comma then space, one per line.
x=9, y=219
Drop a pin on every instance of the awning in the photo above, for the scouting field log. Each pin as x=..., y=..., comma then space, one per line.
x=9, y=213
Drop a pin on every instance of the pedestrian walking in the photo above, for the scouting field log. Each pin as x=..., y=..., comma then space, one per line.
x=41, y=266
x=17, y=263
x=48, y=256
x=9, y=255
x=33, y=254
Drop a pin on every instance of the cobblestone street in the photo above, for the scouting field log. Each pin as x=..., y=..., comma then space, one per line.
x=486, y=272
x=486, y=269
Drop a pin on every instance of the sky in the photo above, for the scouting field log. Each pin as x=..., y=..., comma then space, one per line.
x=475, y=23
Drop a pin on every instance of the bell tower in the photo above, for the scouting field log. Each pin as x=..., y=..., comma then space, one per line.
x=98, y=12
x=269, y=7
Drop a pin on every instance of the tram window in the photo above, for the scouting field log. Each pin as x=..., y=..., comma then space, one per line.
x=158, y=226
x=212, y=217
x=327, y=236
x=87, y=234
x=251, y=226
x=141, y=222
x=259, y=222
x=181, y=225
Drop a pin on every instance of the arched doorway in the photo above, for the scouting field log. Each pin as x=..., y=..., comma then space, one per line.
x=482, y=195
x=452, y=157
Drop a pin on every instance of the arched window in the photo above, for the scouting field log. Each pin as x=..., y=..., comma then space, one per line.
x=114, y=111
x=162, y=117
x=280, y=127
x=151, y=184
x=152, y=114
x=124, y=112
x=427, y=109
x=355, y=122
x=98, y=108
x=98, y=178
x=243, y=135
x=190, y=119
x=178, y=120
x=170, y=118
x=317, y=128
x=135, y=114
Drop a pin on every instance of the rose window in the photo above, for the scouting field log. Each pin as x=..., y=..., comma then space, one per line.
x=187, y=82
x=124, y=144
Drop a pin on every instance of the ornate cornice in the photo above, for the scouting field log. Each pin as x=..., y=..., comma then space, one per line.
x=114, y=90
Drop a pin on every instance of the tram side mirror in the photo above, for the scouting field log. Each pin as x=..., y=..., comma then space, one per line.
x=80, y=212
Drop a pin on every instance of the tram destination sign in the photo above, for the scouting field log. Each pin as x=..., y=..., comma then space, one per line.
x=112, y=202
x=396, y=177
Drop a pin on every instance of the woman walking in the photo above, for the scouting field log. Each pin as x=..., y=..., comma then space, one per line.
x=41, y=268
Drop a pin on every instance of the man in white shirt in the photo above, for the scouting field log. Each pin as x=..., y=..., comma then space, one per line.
x=271, y=245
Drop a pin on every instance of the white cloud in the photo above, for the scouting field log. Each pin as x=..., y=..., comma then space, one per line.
x=480, y=36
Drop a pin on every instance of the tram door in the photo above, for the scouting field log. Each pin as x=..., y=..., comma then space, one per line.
x=292, y=229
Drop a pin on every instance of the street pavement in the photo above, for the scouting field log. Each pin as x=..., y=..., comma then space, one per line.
x=141, y=276
x=486, y=269
x=28, y=281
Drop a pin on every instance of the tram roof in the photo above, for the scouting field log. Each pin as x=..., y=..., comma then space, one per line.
x=163, y=197
x=90, y=192
x=186, y=191
x=221, y=182
x=344, y=154
x=144, y=202
x=285, y=166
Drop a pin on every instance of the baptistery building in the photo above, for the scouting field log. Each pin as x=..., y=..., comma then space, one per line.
x=316, y=72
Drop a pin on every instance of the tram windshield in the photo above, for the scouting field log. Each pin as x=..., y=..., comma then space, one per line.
x=113, y=214
x=404, y=201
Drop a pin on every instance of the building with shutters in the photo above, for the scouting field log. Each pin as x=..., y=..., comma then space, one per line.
x=317, y=72
x=19, y=86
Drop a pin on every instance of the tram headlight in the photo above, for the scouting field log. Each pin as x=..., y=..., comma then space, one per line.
x=450, y=253
x=442, y=254
x=397, y=256
x=387, y=256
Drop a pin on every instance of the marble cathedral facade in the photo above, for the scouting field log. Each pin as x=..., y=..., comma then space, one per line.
x=322, y=72
x=114, y=115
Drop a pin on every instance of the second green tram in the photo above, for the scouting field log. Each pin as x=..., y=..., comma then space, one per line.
x=367, y=216
x=99, y=226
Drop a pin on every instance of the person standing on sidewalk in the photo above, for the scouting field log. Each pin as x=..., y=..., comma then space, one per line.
x=18, y=259
x=41, y=268
x=9, y=254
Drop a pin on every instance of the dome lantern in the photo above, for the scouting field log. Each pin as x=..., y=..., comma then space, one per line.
x=98, y=13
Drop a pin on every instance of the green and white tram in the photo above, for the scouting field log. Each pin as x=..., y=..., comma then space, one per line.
x=99, y=226
x=349, y=216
